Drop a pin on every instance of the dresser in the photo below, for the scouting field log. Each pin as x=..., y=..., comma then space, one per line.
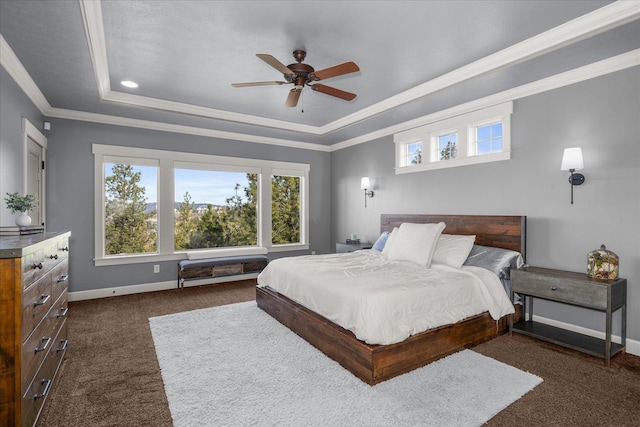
x=34, y=277
x=607, y=296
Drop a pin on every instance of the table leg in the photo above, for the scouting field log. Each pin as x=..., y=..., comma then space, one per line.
x=624, y=328
x=607, y=346
x=511, y=316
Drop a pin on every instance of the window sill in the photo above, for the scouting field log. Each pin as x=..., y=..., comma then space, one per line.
x=210, y=253
x=473, y=160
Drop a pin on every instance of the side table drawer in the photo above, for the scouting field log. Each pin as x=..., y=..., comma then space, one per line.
x=559, y=289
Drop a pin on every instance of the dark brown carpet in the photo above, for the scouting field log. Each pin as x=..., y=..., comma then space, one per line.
x=110, y=376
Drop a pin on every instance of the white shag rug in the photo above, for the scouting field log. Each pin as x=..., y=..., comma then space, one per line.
x=235, y=365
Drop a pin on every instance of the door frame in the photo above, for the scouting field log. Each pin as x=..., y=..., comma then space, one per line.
x=29, y=131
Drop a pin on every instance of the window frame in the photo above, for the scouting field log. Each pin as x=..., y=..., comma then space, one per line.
x=304, y=203
x=464, y=125
x=167, y=161
x=131, y=161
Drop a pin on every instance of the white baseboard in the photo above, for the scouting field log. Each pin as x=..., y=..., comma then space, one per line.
x=633, y=346
x=151, y=287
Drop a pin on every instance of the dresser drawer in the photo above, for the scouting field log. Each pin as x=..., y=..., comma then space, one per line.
x=32, y=267
x=35, y=394
x=36, y=302
x=561, y=289
x=59, y=279
x=62, y=247
x=50, y=256
x=43, y=339
x=59, y=310
x=35, y=348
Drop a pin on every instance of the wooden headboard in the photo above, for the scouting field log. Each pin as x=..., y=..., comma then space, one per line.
x=507, y=232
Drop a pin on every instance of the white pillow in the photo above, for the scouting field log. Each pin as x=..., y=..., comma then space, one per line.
x=387, y=246
x=416, y=243
x=453, y=250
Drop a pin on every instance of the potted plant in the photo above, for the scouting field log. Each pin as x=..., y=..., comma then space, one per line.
x=17, y=203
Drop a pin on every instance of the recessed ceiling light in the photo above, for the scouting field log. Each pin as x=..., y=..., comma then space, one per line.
x=129, y=83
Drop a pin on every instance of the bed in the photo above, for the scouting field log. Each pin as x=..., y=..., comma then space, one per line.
x=374, y=363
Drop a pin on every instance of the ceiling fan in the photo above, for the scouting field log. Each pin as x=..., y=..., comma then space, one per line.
x=300, y=74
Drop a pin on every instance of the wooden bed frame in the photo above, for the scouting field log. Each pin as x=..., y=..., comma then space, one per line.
x=376, y=363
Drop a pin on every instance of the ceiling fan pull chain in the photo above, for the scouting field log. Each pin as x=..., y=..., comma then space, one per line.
x=302, y=103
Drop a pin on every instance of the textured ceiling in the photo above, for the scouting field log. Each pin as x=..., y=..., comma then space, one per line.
x=190, y=52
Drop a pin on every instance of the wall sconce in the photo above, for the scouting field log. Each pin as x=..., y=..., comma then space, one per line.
x=572, y=161
x=364, y=185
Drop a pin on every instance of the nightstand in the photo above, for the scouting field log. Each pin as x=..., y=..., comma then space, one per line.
x=351, y=247
x=576, y=289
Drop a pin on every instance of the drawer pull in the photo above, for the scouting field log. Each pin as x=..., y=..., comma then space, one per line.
x=39, y=265
x=66, y=248
x=47, y=385
x=47, y=341
x=43, y=300
x=63, y=278
x=54, y=256
x=553, y=288
x=64, y=346
x=63, y=312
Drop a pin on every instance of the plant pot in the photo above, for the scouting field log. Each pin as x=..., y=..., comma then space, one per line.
x=23, y=220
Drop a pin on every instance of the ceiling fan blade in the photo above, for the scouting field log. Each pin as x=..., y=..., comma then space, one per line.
x=336, y=70
x=333, y=91
x=292, y=99
x=275, y=64
x=257, y=84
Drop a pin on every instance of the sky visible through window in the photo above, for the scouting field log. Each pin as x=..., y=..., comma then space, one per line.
x=204, y=186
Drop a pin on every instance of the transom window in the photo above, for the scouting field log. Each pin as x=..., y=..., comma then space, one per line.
x=414, y=153
x=163, y=205
x=476, y=137
x=447, y=147
x=488, y=138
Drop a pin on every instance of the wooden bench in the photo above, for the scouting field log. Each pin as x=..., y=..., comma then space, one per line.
x=220, y=267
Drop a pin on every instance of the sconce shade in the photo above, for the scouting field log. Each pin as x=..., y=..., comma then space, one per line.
x=572, y=159
x=365, y=183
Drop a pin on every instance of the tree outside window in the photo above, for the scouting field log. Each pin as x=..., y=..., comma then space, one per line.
x=285, y=209
x=448, y=146
x=130, y=225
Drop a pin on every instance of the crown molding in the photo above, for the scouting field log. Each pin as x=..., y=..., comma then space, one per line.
x=16, y=70
x=180, y=129
x=583, y=27
x=195, y=110
x=94, y=30
x=596, y=69
x=591, y=24
x=622, y=13
x=617, y=63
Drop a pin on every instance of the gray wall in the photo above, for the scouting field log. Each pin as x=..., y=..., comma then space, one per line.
x=71, y=192
x=14, y=105
x=600, y=115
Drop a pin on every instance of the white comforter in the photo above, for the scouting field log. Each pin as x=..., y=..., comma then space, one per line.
x=382, y=301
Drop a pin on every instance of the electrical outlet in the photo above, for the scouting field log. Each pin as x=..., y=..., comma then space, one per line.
x=156, y=268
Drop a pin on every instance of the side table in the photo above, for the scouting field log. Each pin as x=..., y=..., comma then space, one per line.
x=576, y=289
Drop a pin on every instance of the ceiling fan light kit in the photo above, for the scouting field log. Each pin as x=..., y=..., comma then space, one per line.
x=301, y=75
